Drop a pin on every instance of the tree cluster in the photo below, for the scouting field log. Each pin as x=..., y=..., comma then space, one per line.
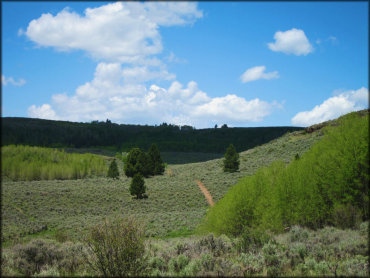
x=139, y=164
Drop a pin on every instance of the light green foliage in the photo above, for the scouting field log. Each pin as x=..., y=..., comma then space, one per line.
x=113, y=170
x=117, y=248
x=231, y=161
x=36, y=163
x=326, y=185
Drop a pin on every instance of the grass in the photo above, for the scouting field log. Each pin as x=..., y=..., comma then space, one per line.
x=175, y=205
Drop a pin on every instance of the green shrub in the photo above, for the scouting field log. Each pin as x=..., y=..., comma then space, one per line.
x=30, y=258
x=117, y=248
x=113, y=170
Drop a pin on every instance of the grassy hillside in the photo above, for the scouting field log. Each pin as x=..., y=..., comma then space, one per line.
x=175, y=205
x=171, y=138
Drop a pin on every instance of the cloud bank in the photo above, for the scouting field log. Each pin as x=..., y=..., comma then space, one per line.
x=293, y=41
x=107, y=97
x=334, y=107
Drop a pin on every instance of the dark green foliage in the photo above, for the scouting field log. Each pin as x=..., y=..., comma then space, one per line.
x=156, y=162
x=113, y=170
x=137, y=186
x=118, y=248
x=38, y=132
x=133, y=164
x=297, y=156
x=328, y=185
x=231, y=161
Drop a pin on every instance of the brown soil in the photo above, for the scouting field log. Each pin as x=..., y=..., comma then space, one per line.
x=205, y=192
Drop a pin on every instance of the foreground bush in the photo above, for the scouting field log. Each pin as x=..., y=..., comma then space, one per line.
x=36, y=163
x=117, y=248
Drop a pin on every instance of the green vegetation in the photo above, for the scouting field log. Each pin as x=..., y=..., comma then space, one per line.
x=36, y=163
x=137, y=186
x=32, y=209
x=231, y=161
x=113, y=170
x=328, y=185
x=299, y=252
x=117, y=248
x=114, y=137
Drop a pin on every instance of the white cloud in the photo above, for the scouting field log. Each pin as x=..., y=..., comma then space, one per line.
x=334, y=107
x=256, y=73
x=293, y=41
x=125, y=32
x=107, y=96
x=43, y=112
x=10, y=80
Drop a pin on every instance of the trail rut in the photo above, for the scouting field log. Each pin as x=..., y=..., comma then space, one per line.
x=205, y=192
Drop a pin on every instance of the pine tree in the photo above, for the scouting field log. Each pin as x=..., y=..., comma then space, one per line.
x=113, y=170
x=156, y=162
x=137, y=186
x=231, y=161
x=132, y=165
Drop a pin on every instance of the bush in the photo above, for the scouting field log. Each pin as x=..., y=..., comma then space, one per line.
x=137, y=186
x=113, y=170
x=30, y=258
x=117, y=248
x=346, y=216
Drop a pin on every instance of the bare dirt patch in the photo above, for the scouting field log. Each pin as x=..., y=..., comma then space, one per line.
x=205, y=192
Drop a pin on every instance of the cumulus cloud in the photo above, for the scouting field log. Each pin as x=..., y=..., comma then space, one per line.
x=109, y=96
x=293, y=41
x=10, y=80
x=256, y=73
x=122, y=32
x=43, y=112
x=334, y=107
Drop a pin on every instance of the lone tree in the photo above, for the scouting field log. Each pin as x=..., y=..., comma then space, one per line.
x=231, y=161
x=137, y=186
x=113, y=170
x=156, y=162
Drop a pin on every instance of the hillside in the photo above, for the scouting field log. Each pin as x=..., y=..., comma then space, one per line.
x=169, y=138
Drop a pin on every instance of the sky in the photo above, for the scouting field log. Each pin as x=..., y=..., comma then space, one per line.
x=244, y=64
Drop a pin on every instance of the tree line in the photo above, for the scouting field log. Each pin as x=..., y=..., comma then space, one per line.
x=48, y=133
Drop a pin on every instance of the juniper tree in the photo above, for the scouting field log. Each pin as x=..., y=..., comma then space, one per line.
x=137, y=186
x=113, y=170
x=156, y=162
x=231, y=161
x=132, y=165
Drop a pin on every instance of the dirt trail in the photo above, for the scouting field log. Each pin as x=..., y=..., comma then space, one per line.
x=205, y=192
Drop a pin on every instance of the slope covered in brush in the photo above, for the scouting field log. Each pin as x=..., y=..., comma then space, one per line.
x=328, y=185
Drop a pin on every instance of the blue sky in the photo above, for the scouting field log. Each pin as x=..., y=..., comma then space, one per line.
x=206, y=63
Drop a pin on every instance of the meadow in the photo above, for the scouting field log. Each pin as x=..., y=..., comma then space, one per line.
x=175, y=205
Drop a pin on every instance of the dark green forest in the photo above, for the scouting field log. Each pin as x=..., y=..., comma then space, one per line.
x=168, y=137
